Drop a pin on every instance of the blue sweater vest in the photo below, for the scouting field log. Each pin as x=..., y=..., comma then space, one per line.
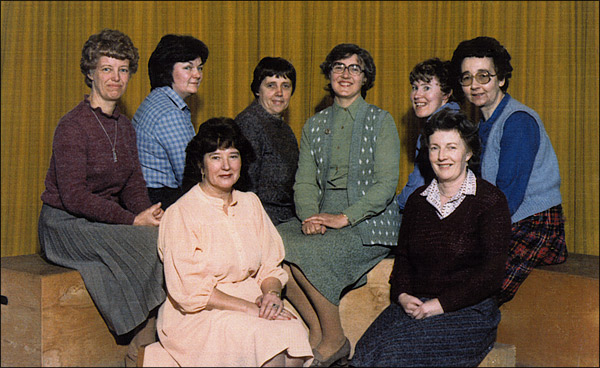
x=543, y=189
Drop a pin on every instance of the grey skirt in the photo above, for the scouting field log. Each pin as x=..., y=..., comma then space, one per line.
x=335, y=262
x=456, y=339
x=119, y=264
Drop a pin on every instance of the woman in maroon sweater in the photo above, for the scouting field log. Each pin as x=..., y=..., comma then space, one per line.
x=450, y=260
x=96, y=216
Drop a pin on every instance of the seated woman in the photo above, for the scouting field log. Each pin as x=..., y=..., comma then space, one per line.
x=96, y=216
x=517, y=157
x=222, y=259
x=271, y=172
x=344, y=194
x=431, y=91
x=449, y=262
x=163, y=121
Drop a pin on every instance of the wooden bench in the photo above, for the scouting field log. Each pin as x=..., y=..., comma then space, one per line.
x=554, y=317
x=49, y=319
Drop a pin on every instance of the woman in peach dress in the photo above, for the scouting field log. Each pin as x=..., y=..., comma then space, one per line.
x=222, y=257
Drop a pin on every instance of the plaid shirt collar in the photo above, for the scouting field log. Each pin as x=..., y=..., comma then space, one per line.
x=177, y=100
x=432, y=192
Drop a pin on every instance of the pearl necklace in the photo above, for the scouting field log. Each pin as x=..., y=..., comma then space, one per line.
x=112, y=145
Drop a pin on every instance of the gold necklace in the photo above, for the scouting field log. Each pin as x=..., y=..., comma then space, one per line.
x=112, y=145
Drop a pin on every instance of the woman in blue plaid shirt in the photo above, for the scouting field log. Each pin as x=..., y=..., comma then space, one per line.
x=163, y=121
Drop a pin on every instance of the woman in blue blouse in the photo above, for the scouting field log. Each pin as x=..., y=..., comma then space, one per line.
x=517, y=157
x=163, y=122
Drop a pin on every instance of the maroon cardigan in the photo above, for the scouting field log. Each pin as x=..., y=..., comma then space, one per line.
x=460, y=259
x=83, y=179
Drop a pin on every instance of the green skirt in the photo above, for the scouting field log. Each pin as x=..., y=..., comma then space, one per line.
x=335, y=262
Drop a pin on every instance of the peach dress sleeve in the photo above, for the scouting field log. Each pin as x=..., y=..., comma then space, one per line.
x=204, y=248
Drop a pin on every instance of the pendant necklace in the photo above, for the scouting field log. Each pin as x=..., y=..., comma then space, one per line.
x=112, y=145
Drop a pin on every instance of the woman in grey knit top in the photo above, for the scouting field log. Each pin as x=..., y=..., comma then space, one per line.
x=270, y=173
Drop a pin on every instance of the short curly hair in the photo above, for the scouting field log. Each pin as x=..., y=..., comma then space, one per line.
x=448, y=119
x=481, y=47
x=111, y=43
x=434, y=67
x=215, y=133
x=346, y=50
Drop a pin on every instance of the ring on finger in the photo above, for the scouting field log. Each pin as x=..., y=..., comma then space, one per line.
x=276, y=306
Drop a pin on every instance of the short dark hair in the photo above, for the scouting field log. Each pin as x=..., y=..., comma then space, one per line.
x=111, y=43
x=482, y=47
x=434, y=67
x=273, y=66
x=448, y=119
x=346, y=50
x=173, y=49
x=213, y=134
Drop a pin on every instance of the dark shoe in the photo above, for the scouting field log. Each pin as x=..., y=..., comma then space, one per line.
x=338, y=359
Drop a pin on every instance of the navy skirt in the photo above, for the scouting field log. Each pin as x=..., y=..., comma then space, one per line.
x=119, y=264
x=456, y=339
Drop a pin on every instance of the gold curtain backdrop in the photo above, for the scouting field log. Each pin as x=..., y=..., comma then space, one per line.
x=553, y=44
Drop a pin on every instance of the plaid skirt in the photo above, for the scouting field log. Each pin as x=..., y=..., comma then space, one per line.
x=456, y=339
x=536, y=240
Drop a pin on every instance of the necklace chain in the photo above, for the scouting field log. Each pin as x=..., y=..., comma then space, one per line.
x=112, y=145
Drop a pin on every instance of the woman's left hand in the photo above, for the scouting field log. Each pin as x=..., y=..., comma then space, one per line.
x=271, y=307
x=334, y=221
x=158, y=212
x=150, y=216
x=430, y=308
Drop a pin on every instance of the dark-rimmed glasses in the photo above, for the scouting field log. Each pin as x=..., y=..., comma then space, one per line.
x=353, y=69
x=481, y=78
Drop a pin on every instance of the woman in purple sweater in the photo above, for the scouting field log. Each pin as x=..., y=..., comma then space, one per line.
x=96, y=216
x=450, y=259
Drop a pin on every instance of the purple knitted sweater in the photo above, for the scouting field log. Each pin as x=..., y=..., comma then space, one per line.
x=459, y=259
x=84, y=180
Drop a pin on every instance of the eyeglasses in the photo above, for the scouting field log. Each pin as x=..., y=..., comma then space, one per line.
x=481, y=78
x=353, y=69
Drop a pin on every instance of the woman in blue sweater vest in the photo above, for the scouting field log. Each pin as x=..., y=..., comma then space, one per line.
x=517, y=157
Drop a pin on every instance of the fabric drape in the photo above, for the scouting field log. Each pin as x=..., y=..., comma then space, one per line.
x=553, y=44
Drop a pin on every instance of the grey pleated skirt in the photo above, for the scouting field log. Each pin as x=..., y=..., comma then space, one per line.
x=456, y=339
x=119, y=264
x=335, y=262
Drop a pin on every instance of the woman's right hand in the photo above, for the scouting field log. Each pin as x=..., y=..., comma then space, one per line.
x=409, y=303
x=312, y=228
x=150, y=216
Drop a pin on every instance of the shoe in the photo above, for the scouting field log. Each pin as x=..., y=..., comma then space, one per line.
x=338, y=359
x=145, y=334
